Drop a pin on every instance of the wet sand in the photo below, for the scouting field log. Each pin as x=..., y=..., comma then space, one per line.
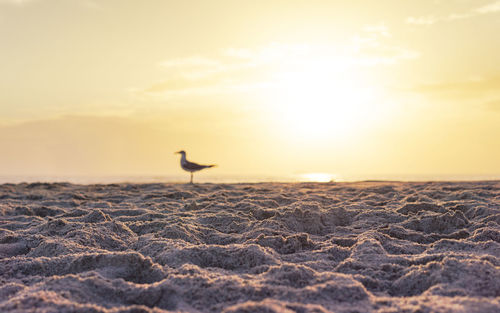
x=270, y=247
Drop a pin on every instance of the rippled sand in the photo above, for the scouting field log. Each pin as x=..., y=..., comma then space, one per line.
x=270, y=247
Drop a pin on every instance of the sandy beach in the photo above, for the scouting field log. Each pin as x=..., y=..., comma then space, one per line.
x=269, y=247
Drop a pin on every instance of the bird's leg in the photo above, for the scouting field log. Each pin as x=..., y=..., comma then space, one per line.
x=191, y=178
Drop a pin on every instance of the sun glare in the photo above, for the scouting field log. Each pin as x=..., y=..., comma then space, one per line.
x=321, y=97
x=318, y=177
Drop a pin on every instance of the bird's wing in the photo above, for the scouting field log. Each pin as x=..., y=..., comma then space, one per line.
x=194, y=167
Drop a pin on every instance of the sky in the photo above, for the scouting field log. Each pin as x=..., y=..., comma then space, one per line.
x=357, y=89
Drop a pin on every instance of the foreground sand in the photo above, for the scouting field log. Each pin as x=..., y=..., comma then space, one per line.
x=346, y=247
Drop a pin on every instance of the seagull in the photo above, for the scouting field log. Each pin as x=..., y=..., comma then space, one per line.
x=190, y=166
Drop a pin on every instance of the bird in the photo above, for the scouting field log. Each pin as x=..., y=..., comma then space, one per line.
x=190, y=166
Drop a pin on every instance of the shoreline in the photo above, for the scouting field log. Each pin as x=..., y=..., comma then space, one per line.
x=181, y=182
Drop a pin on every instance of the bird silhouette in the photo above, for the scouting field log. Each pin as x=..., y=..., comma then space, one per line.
x=190, y=166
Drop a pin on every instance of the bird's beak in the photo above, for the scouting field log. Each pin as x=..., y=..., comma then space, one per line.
x=177, y=152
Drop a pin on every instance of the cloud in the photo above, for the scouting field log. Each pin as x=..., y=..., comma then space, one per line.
x=375, y=54
x=90, y=4
x=422, y=20
x=193, y=61
x=371, y=49
x=198, y=67
x=489, y=8
x=493, y=7
x=380, y=29
x=16, y=2
x=231, y=70
x=469, y=87
x=479, y=92
x=237, y=69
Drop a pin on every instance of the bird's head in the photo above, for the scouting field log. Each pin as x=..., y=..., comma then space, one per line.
x=181, y=152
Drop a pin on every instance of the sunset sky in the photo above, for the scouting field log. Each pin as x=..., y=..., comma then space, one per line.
x=353, y=89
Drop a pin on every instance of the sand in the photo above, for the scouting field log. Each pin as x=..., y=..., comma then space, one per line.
x=270, y=247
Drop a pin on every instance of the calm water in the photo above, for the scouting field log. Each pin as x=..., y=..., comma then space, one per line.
x=306, y=177
x=142, y=179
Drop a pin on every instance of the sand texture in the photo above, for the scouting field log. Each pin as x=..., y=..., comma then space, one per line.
x=270, y=247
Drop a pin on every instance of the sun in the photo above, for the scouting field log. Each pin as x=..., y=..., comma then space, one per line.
x=322, y=97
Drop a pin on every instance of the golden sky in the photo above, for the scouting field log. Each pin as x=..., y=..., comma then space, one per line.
x=357, y=89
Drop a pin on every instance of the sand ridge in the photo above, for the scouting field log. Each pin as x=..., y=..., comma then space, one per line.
x=268, y=247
